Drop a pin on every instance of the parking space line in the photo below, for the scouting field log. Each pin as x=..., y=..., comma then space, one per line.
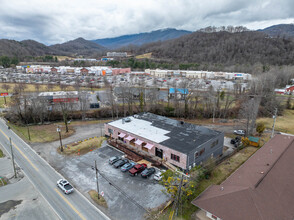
x=21, y=152
x=73, y=208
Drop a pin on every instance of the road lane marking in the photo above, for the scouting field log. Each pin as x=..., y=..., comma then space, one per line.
x=21, y=152
x=73, y=208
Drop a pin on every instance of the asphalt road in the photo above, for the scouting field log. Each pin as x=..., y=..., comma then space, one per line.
x=44, y=177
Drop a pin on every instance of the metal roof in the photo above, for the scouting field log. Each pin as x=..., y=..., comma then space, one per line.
x=181, y=136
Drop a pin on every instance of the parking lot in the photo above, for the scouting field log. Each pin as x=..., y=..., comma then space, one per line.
x=124, y=194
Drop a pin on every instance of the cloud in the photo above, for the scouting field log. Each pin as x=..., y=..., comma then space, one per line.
x=57, y=21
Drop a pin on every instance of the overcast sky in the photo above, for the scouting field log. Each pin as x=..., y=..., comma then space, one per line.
x=57, y=21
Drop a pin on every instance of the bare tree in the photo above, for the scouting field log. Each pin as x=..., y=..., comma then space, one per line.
x=6, y=87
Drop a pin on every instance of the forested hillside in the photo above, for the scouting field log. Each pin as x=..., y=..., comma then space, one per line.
x=224, y=48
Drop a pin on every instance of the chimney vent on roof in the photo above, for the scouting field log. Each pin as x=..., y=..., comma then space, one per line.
x=222, y=188
x=262, y=172
x=271, y=151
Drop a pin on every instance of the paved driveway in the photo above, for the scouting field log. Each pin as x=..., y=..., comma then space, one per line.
x=129, y=194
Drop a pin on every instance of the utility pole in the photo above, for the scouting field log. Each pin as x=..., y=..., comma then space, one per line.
x=29, y=135
x=12, y=156
x=275, y=116
x=59, y=131
x=96, y=170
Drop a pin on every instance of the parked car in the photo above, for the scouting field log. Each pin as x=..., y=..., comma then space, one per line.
x=112, y=160
x=147, y=172
x=65, y=186
x=120, y=163
x=127, y=166
x=236, y=141
x=233, y=141
x=137, y=169
x=239, y=132
x=157, y=176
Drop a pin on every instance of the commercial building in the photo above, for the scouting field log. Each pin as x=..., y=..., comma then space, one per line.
x=60, y=96
x=81, y=100
x=181, y=144
x=117, y=54
x=198, y=74
x=262, y=188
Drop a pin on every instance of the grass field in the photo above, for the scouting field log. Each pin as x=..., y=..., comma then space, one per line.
x=44, y=88
x=283, y=123
x=2, y=101
x=144, y=56
x=101, y=201
x=83, y=146
x=32, y=88
x=2, y=181
x=48, y=133
x=219, y=174
x=1, y=153
x=41, y=133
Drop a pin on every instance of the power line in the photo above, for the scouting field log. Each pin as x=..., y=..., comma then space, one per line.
x=118, y=188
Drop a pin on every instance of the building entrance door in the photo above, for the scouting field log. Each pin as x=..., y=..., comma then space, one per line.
x=158, y=152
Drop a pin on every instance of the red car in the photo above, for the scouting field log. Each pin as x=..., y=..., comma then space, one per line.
x=137, y=169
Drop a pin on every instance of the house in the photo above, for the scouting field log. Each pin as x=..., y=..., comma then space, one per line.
x=84, y=71
x=54, y=70
x=262, y=188
x=181, y=144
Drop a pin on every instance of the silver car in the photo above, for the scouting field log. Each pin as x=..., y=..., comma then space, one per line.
x=65, y=186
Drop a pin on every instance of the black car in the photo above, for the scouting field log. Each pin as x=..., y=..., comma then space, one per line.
x=233, y=141
x=120, y=163
x=147, y=172
x=112, y=160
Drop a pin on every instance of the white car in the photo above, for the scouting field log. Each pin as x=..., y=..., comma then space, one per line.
x=239, y=132
x=65, y=186
x=157, y=176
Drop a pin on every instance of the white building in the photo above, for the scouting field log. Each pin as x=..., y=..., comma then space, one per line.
x=198, y=74
x=117, y=54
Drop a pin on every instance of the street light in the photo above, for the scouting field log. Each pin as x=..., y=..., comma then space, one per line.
x=59, y=131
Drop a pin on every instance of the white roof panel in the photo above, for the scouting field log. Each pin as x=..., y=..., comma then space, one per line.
x=142, y=128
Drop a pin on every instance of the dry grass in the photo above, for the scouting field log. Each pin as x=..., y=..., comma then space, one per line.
x=283, y=123
x=101, y=201
x=84, y=146
x=80, y=123
x=144, y=56
x=226, y=168
x=3, y=182
x=2, y=102
x=32, y=87
x=41, y=133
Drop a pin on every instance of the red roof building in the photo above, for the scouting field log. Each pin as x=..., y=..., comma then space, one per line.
x=261, y=189
x=84, y=71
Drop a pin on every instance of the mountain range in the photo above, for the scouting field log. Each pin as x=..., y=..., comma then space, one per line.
x=267, y=45
x=280, y=30
x=142, y=38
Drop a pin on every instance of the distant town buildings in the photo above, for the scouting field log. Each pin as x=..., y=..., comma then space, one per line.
x=198, y=74
x=92, y=70
x=117, y=54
